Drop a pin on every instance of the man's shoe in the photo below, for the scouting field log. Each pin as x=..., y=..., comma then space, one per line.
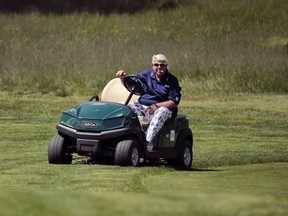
x=149, y=146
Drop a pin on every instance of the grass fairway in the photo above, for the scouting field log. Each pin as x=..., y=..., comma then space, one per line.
x=89, y=190
x=240, y=165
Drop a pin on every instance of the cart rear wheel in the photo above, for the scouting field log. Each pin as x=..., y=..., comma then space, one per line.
x=57, y=151
x=127, y=153
x=186, y=155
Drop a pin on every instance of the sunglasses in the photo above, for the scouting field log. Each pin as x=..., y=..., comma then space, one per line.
x=157, y=65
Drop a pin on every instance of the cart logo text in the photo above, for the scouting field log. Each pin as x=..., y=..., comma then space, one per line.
x=89, y=124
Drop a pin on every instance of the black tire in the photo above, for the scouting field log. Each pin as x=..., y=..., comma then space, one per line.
x=127, y=153
x=57, y=151
x=186, y=155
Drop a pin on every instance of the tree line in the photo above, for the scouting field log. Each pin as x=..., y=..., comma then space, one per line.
x=93, y=6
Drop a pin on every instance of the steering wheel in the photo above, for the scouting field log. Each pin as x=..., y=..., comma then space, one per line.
x=135, y=85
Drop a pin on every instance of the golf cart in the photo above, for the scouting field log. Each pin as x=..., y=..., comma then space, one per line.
x=104, y=130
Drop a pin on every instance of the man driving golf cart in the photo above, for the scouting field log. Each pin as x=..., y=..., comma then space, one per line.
x=107, y=130
x=161, y=98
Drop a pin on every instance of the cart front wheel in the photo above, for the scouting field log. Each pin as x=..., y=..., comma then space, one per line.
x=57, y=151
x=127, y=153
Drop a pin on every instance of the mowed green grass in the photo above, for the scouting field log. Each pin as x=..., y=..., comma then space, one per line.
x=107, y=190
x=240, y=163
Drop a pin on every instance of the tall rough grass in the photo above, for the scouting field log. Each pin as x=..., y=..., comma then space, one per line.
x=213, y=47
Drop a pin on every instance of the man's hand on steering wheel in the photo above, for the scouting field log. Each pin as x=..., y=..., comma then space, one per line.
x=121, y=74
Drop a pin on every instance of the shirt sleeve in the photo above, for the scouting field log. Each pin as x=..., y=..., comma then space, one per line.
x=175, y=91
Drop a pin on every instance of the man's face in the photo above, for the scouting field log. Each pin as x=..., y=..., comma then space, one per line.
x=159, y=68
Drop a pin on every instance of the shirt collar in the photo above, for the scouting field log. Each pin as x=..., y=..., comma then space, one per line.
x=166, y=77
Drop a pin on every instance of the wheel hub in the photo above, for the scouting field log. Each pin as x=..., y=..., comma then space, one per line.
x=135, y=157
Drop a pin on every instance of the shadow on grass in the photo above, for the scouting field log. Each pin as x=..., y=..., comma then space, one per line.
x=205, y=170
x=89, y=161
x=192, y=169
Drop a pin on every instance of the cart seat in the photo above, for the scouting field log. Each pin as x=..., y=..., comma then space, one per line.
x=114, y=91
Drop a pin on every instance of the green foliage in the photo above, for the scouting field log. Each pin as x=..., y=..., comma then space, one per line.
x=214, y=47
